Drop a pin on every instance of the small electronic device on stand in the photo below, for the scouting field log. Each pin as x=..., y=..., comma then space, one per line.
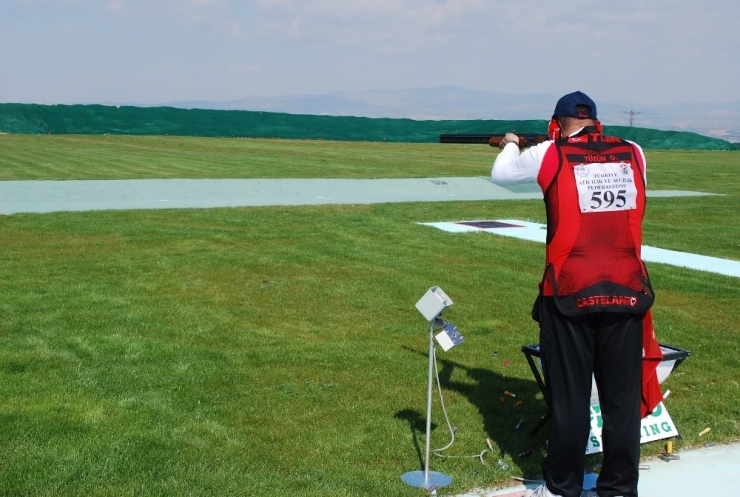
x=431, y=306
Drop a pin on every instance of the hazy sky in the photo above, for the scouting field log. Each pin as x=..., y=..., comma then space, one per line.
x=155, y=51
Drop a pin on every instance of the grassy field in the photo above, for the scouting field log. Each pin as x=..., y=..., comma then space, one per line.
x=277, y=351
x=130, y=157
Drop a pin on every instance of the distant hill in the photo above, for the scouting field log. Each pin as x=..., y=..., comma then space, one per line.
x=455, y=103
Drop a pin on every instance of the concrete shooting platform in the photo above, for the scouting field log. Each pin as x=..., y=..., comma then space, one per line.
x=536, y=232
x=704, y=472
x=87, y=195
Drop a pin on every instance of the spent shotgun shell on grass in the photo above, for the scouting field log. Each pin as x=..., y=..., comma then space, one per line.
x=506, y=392
x=668, y=457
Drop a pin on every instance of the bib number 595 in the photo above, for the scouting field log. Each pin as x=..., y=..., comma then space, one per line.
x=604, y=200
x=605, y=187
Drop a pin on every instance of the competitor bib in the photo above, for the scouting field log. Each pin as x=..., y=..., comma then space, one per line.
x=605, y=187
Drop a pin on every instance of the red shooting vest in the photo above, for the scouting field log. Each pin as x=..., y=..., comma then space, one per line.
x=594, y=191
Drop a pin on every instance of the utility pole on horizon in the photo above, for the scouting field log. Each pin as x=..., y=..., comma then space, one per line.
x=632, y=114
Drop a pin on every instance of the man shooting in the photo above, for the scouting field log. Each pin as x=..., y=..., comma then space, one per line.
x=594, y=293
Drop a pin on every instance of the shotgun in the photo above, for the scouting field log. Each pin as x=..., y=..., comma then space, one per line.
x=525, y=139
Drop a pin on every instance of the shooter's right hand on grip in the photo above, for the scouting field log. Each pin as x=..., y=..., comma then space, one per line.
x=508, y=138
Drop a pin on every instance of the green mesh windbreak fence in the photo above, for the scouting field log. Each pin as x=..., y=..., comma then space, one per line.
x=100, y=119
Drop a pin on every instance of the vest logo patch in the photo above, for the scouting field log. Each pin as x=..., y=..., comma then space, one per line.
x=625, y=301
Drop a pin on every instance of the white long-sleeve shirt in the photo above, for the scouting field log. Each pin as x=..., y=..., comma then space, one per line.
x=511, y=167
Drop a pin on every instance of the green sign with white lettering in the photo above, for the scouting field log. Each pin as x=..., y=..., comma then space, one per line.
x=655, y=426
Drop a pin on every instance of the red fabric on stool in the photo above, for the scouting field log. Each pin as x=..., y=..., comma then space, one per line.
x=652, y=356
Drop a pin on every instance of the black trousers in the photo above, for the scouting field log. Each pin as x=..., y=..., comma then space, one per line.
x=609, y=346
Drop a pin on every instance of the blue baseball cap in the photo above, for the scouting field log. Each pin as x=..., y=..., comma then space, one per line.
x=566, y=106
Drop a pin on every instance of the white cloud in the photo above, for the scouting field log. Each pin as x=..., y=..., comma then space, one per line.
x=114, y=5
x=525, y=26
x=390, y=25
x=210, y=14
x=658, y=50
